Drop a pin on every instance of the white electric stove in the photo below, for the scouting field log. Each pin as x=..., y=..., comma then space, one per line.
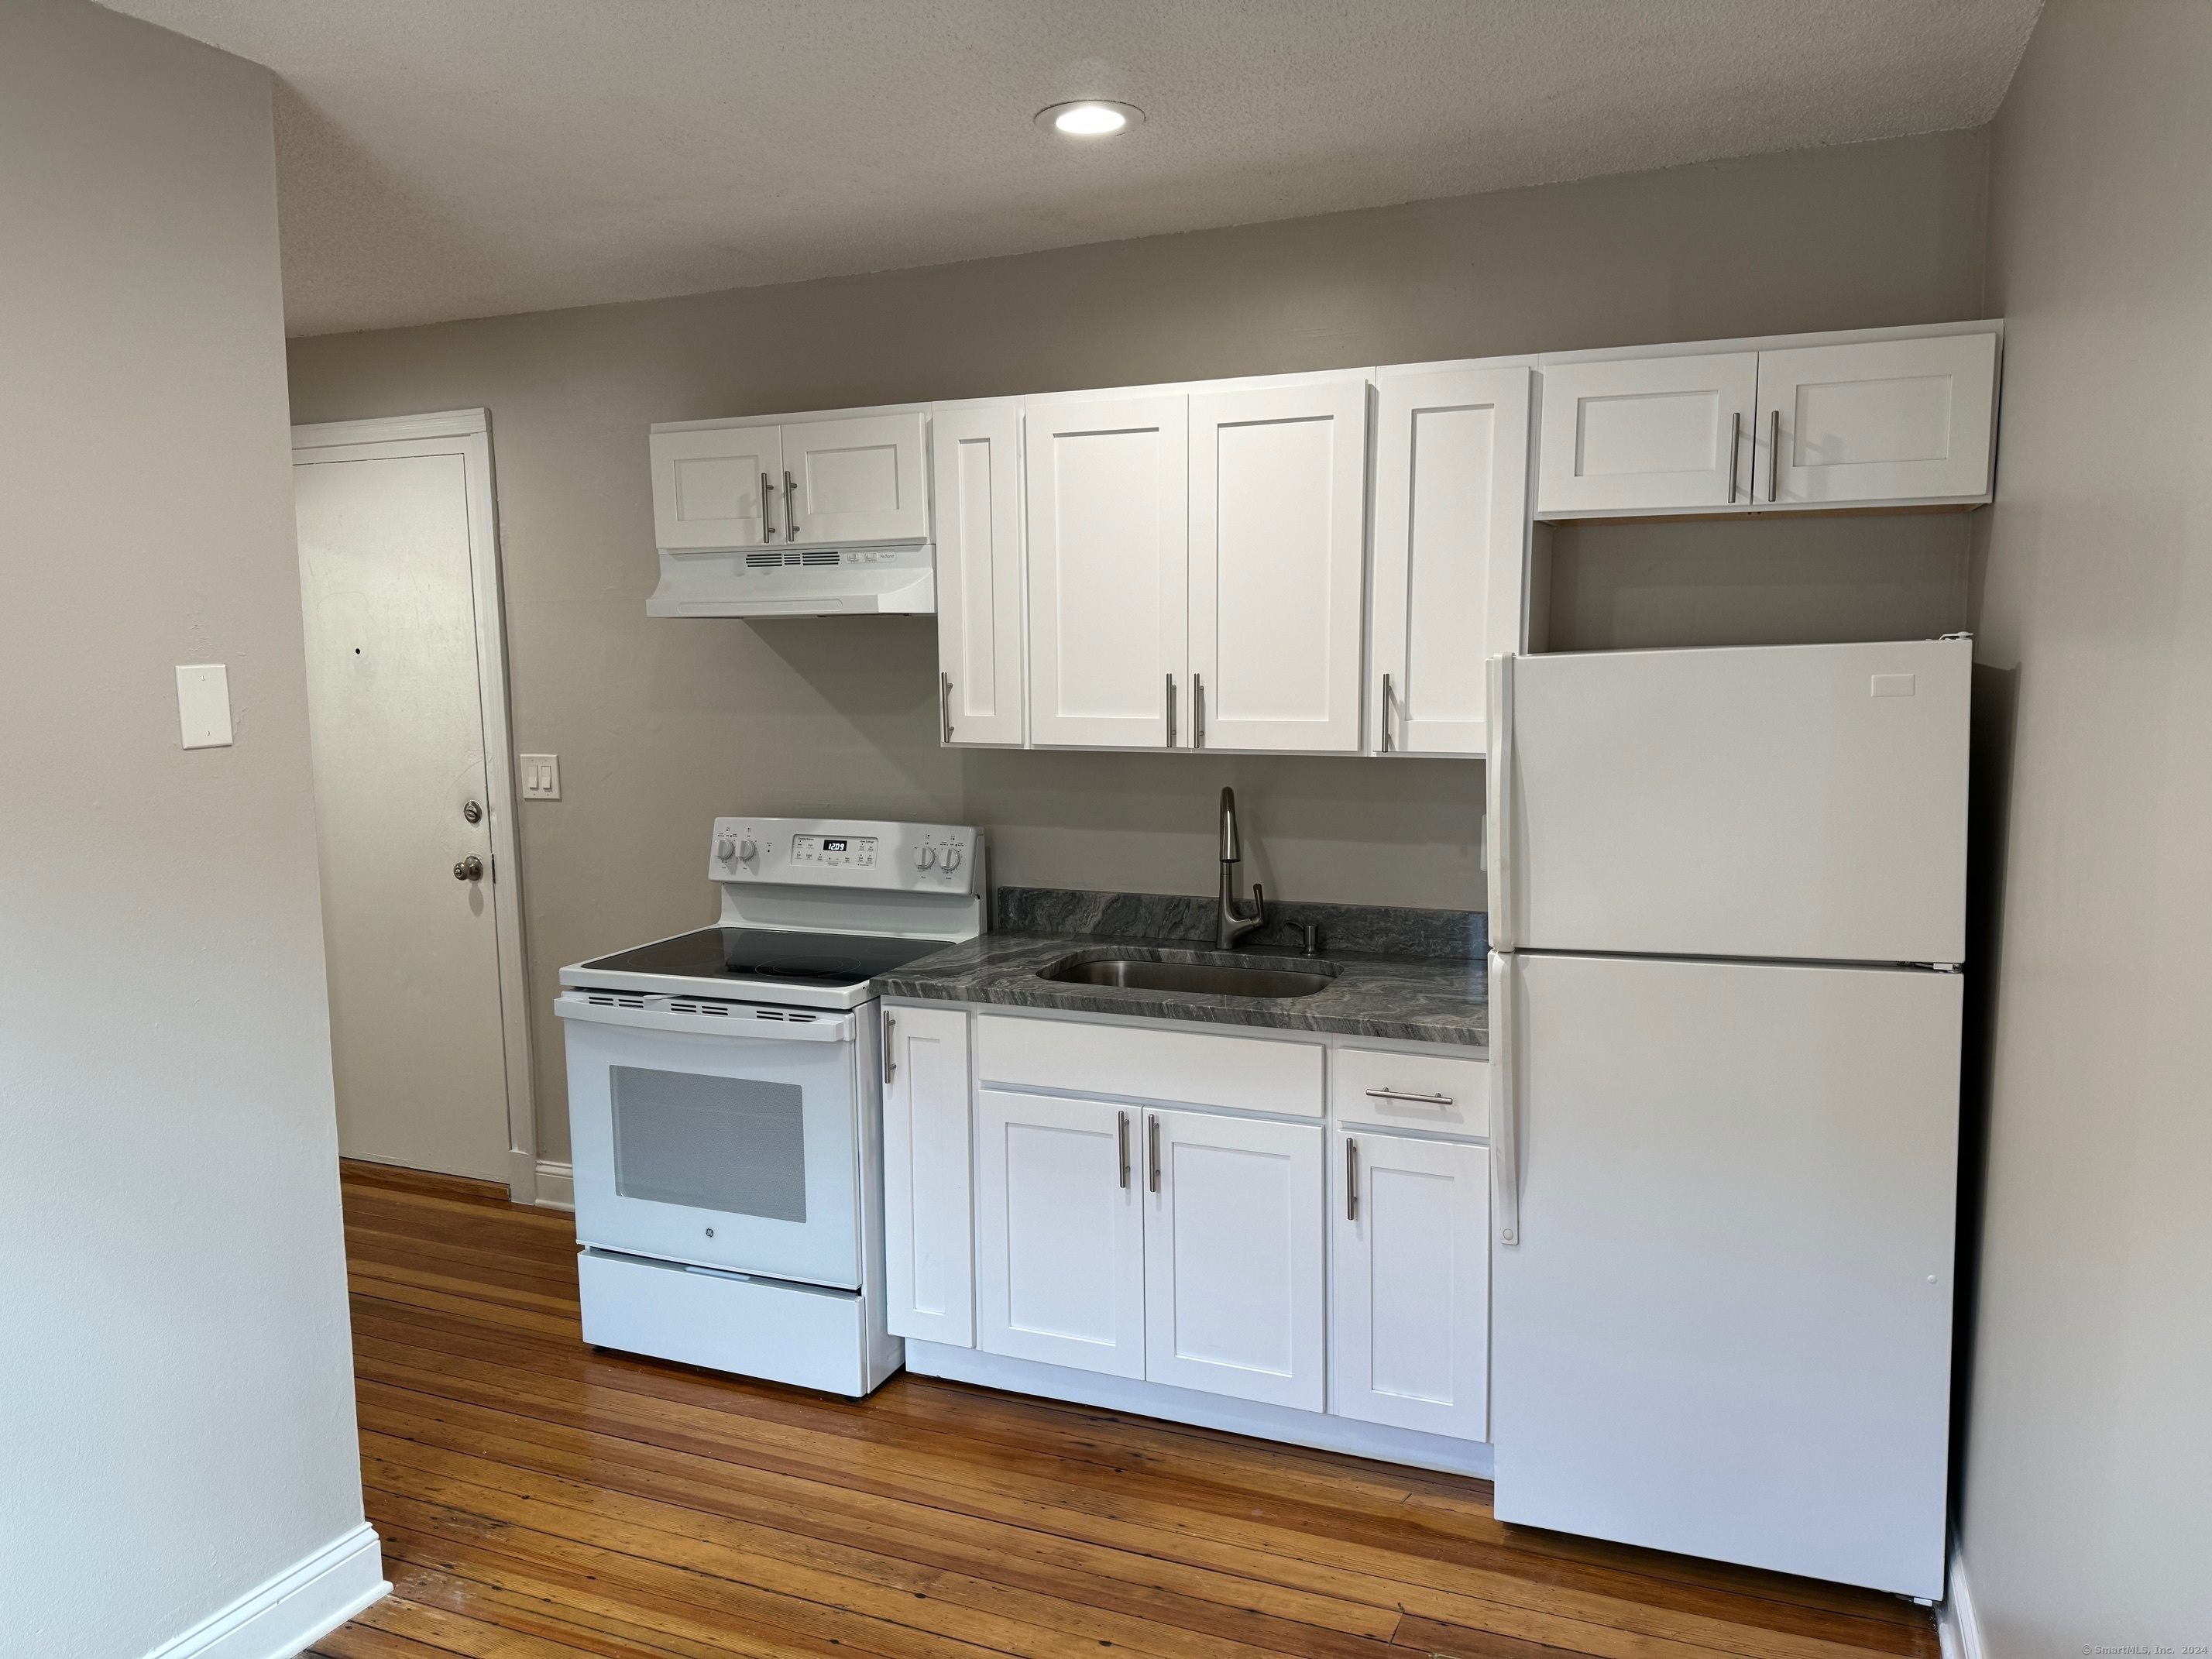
x=726, y=1102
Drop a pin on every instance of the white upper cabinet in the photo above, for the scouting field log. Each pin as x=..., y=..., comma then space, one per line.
x=1651, y=434
x=1109, y=591
x=718, y=486
x=1877, y=421
x=1451, y=533
x=1278, y=499
x=861, y=479
x=928, y=1221
x=977, y=459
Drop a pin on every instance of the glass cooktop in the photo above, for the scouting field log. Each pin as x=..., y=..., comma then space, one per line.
x=773, y=957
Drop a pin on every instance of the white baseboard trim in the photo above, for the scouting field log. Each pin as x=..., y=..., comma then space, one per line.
x=556, y=1186
x=1207, y=1411
x=294, y=1610
x=1957, y=1625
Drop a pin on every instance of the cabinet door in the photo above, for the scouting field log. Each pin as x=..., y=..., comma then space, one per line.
x=707, y=487
x=1233, y=1271
x=856, y=480
x=1451, y=501
x=1883, y=420
x=1108, y=567
x=976, y=463
x=1649, y=435
x=1278, y=504
x=929, y=1226
x=1409, y=1327
x=1060, y=1241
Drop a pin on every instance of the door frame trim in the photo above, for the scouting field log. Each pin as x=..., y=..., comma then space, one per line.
x=467, y=432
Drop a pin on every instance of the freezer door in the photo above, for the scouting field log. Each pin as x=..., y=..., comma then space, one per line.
x=1804, y=802
x=1726, y=1327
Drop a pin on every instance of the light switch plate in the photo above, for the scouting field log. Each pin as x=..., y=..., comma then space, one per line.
x=541, y=777
x=203, y=704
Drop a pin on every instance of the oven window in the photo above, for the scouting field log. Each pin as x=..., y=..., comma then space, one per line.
x=732, y=1144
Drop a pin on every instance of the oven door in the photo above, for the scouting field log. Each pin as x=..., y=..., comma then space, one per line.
x=716, y=1134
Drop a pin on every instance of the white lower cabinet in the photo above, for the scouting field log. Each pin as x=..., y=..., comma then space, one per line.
x=928, y=1218
x=1060, y=1232
x=1410, y=1295
x=1234, y=1298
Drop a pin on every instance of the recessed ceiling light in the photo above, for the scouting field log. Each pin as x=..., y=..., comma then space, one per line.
x=1090, y=118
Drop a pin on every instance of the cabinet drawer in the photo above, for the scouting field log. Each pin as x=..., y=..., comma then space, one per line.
x=1248, y=1074
x=1372, y=1085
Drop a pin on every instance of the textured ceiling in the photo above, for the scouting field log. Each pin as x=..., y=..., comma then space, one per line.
x=460, y=158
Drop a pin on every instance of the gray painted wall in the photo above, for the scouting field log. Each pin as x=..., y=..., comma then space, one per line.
x=662, y=724
x=2088, y=1453
x=176, y=1386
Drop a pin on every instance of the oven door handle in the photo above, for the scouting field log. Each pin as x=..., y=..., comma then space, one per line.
x=743, y=1023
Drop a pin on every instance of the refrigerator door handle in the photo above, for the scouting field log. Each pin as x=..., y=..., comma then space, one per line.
x=1505, y=1129
x=1497, y=789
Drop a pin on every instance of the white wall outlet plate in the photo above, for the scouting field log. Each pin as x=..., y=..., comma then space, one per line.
x=203, y=704
x=541, y=776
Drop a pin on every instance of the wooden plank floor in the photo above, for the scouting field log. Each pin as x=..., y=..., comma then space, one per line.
x=539, y=1501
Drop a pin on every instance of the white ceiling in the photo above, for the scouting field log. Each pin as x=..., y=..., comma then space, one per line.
x=460, y=158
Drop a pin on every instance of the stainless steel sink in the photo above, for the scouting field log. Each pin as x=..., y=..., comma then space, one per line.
x=1143, y=973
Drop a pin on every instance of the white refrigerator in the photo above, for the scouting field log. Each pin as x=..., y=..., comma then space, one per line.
x=1728, y=914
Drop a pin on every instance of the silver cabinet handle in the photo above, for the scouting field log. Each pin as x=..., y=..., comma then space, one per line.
x=1351, y=1179
x=1386, y=714
x=1774, y=458
x=945, y=702
x=1121, y=1144
x=1411, y=1097
x=1735, y=448
x=767, y=510
x=1170, y=711
x=1153, y=1150
x=1498, y=768
x=1505, y=1137
x=890, y=1031
x=1197, y=711
x=790, y=509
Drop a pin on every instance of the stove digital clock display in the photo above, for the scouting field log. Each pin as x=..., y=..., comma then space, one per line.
x=834, y=852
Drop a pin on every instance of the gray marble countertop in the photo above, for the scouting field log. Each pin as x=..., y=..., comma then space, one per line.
x=1414, y=1000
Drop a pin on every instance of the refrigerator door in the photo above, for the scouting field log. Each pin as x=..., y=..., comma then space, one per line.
x=1726, y=1326
x=1804, y=802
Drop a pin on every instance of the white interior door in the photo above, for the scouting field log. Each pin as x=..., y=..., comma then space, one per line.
x=1805, y=801
x=861, y=479
x=1726, y=1330
x=721, y=487
x=1060, y=1234
x=1278, y=506
x=1451, y=550
x=1409, y=1302
x=1880, y=420
x=1108, y=559
x=398, y=572
x=1647, y=435
x=1233, y=1257
x=929, y=1221
x=976, y=454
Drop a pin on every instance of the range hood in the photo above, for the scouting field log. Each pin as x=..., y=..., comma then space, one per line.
x=797, y=581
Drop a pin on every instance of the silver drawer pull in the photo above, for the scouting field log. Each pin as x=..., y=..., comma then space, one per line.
x=1410, y=1097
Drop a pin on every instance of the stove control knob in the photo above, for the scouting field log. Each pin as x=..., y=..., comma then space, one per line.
x=952, y=860
x=746, y=851
x=924, y=857
x=726, y=850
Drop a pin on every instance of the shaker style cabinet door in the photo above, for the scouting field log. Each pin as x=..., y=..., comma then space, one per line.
x=1881, y=420
x=1409, y=1326
x=1649, y=435
x=977, y=468
x=929, y=1226
x=1451, y=497
x=1233, y=1257
x=1109, y=568
x=860, y=479
x=1277, y=505
x=1060, y=1231
x=718, y=488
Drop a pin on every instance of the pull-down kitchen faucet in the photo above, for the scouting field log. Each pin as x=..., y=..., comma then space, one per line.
x=1232, y=922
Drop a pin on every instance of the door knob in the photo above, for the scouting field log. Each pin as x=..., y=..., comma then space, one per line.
x=469, y=869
